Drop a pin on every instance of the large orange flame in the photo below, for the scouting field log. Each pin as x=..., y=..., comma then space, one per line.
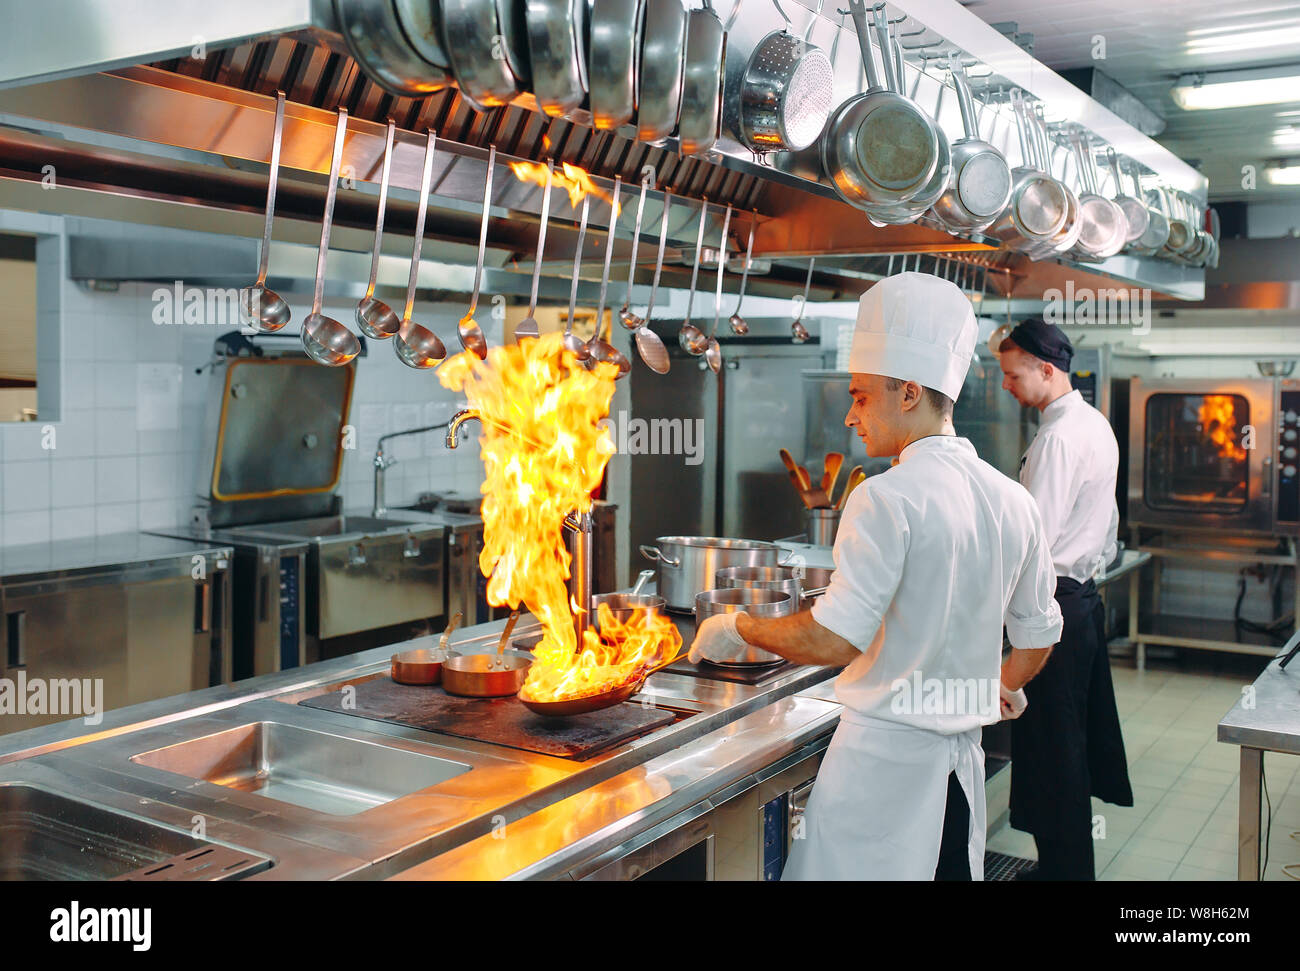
x=1218, y=417
x=574, y=180
x=544, y=452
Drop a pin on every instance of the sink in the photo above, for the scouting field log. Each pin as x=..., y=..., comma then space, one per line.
x=315, y=770
x=46, y=836
x=333, y=526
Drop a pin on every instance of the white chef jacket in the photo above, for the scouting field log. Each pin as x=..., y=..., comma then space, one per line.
x=1070, y=469
x=932, y=558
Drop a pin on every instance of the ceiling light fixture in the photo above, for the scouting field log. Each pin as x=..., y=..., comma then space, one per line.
x=1249, y=40
x=1237, y=89
x=1285, y=174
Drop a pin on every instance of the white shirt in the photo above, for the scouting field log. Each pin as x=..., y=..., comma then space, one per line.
x=932, y=557
x=1070, y=469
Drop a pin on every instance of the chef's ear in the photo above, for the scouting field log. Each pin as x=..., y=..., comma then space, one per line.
x=912, y=395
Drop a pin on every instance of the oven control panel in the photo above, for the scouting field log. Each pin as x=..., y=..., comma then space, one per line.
x=1288, y=456
x=290, y=635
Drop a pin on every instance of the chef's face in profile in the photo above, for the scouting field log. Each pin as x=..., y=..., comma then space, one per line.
x=879, y=414
x=1025, y=376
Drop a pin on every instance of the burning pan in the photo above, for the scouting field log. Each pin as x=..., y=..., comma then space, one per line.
x=606, y=699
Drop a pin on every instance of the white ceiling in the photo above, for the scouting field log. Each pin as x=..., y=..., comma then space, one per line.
x=1149, y=43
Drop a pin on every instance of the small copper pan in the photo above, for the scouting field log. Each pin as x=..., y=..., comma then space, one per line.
x=424, y=666
x=487, y=675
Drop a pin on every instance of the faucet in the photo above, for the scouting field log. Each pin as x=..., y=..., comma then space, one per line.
x=382, y=463
x=458, y=419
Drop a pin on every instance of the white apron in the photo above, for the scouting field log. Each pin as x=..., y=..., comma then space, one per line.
x=876, y=811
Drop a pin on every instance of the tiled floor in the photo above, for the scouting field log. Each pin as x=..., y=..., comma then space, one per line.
x=1183, y=824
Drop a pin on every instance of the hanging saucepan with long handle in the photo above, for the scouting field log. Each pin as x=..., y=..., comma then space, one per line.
x=1068, y=235
x=879, y=148
x=659, y=77
x=903, y=213
x=1137, y=217
x=613, y=60
x=556, y=54
x=1104, y=228
x=785, y=92
x=701, y=114
x=487, y=44
x=979, y=181
x=1038, y=205
x=1156, y=234
x=1182, y=234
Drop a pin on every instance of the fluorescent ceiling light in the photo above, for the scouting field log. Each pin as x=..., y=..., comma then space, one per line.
x=1234, y=28
x=1237, y=89
x=1248, y=40
x=1288, y=175
x=1286, y=136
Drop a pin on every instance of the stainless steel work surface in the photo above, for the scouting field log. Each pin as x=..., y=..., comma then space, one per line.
x=1268, y=714
x=200, y=755
x=45, y=562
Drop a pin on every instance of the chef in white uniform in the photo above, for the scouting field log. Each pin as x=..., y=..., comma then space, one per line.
x=1068, y=748
x=932, y=558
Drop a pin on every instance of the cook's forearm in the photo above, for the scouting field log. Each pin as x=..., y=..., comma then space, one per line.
x=797, y=638
x=1022, y=664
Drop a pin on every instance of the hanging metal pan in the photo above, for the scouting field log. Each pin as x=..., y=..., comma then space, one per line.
x=613, y=60
x=1136, y=214
x=879, y=148
x=556, y=53
x=659, y=80
x=376, y=40
x=785, y=93
x=701, y=112
x=1039, y=205
x=979, y=184
x=487, y=45
x=1157, y=232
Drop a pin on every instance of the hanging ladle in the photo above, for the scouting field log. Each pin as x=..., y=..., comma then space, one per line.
x=599, y=349
x=626, y=316
x=574, y=344
x=690, y=337
x=739, y=325
x=798, y=332
x=528, y=326
x=713, y=350
x=374, y=317
x=648, y=344
x=325, y=340
x=260, y=308
x=468, y=330
x=416, y=345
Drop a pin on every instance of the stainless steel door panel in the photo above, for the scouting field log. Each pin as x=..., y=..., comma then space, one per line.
x=375, y=581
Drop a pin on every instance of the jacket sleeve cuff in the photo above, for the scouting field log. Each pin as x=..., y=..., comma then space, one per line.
x=847, y=624
x=1038, y=632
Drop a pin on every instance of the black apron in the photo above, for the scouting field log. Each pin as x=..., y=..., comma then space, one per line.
x=1067, y=746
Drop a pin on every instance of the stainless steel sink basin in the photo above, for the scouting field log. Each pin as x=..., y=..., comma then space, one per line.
x=315, y=770
x=46, y=836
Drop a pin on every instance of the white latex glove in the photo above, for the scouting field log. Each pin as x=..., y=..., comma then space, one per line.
x=1013, y=703
x=717, y=640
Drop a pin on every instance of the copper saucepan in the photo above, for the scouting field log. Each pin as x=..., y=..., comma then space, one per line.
x=487, y=675
x=424, y=666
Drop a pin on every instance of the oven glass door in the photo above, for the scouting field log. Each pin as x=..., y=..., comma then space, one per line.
x=1195, y=459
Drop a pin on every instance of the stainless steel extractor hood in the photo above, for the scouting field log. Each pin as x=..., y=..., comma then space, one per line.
x=137, y=117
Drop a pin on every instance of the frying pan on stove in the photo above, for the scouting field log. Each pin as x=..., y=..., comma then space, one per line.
x=606, y=699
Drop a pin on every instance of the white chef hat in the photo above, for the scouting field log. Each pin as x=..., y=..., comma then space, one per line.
x=915, y=327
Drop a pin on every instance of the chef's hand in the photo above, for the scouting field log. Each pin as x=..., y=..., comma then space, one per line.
x=1013, y=703
x=717, y=640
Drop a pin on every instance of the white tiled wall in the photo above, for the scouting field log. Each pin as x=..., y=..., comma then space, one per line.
x=97, y=474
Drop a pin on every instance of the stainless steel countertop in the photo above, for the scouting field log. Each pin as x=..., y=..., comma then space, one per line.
x=729, y=730
x=50, y=561
x=1269, y=716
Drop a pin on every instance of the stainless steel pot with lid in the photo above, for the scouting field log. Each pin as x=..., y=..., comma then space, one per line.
x=687, y=565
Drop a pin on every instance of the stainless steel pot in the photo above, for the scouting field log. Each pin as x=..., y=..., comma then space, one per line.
x=784, y=579
x=750, y=600
x=687, y=565
x=822, y=525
